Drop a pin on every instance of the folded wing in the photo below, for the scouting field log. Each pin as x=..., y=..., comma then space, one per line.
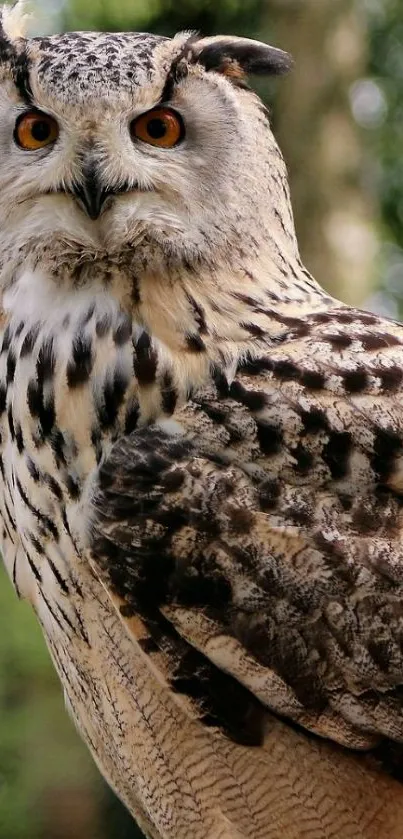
x=245, y=597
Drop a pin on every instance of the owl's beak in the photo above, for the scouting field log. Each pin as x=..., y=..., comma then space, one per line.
x=91, y=194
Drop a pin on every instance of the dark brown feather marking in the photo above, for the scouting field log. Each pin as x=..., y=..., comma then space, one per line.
x=336, y=453
x=80, y=366
x=145, y=360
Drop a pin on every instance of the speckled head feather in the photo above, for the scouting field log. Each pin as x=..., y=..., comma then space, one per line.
x=121, y=59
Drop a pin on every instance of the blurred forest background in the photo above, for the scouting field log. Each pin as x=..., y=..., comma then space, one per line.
x=339, y=119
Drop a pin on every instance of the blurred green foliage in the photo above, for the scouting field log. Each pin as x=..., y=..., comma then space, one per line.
x=166, y=16
x=386, y=68
x=40, y=754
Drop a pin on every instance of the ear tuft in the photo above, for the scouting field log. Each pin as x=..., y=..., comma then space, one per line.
x=14, y=20
x=237, y=57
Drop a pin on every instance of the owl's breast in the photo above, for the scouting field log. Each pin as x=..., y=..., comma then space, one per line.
x=67, y=390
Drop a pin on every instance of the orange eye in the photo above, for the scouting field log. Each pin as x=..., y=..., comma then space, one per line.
x=35, y=131
x=160, y=127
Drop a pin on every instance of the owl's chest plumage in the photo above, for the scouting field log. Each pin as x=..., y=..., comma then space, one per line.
x=66, y=391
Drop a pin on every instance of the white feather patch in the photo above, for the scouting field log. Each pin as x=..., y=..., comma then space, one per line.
x=15, y=20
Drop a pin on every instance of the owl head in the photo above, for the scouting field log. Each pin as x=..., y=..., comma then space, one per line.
x=135, y=152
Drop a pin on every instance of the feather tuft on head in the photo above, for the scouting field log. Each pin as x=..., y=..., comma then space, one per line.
x=15, y=20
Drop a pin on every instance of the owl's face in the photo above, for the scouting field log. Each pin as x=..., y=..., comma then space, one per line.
x=130, y=144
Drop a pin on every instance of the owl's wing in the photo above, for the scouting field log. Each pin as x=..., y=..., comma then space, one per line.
x=248, y=592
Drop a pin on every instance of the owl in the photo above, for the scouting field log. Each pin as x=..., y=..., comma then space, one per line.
x=201, y=452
